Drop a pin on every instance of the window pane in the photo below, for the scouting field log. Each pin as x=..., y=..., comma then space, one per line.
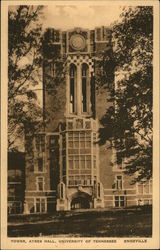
x=71, y=180
x=146, y=188
x=122, y=201
x=76, y=144
x=99, y=190
x=82, y=144
x=70, y=135
x=119, y=177
x=70, y=144
x=94, y=137
x=38, y=205
x=70, y=125
x=72, y=95
x=88, y=125
x=43, y=205
x=140, y=189
x=79, y=123
x=70, y=164
x=40, y=165
x=88, y=135
x=146, y=202
x=88, y=144
x=94, y=161
x=119, y=182
x=82, y=134
x=88, y=161
x=76, y=135
x=40, y=143
x=82, y=162
x=116, y=201
x=76, y=164
x=61, y=191
x=84, y=95
x=40, y=184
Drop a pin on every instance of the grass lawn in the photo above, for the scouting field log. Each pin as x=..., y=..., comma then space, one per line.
x=132, y=222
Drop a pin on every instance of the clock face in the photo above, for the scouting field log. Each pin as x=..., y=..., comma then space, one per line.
x=77, y=42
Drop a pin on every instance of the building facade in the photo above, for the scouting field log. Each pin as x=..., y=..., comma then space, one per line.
x=66, y=168
x=16, y=182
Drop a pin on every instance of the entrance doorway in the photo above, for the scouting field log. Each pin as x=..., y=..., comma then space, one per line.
x=81, y=201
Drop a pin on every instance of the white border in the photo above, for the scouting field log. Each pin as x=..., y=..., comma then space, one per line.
x=152, y=243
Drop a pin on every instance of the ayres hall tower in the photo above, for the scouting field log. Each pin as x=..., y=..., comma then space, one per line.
x=69, y=169
x=79, y=181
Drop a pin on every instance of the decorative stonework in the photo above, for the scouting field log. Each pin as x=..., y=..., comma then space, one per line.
x=79, y=60
x=77, y=42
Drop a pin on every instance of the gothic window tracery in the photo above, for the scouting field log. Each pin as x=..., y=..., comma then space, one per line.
x=85, y=76
x=73, y=73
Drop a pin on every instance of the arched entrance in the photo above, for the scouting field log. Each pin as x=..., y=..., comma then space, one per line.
x=81, y=200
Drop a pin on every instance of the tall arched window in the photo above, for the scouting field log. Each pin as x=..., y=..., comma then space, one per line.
x=84, y=87
x=73, y=74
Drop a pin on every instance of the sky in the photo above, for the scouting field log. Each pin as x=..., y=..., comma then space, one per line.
x=84, y=15
x=67, y=15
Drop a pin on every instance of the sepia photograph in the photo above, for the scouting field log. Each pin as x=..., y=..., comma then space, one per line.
x=81, y=124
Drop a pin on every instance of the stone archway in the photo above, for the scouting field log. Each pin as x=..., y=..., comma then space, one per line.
x=81, y=200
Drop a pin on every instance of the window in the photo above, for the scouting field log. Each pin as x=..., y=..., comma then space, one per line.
x=71, y=180
x=94, y=140
x=85, y=140
x=94, y=161
x=145, y=188
x=76, y=162
x=56, y=36
x=98, y=34
x=79, y=139
x=72, y=87
x=61, y=191
x=95, y=180
x=79, y=162
x=119, y=201
x=87, y=124
x=82, y=139
x=40, y=205
x=88, y=161
x=140, y=189
x=70, y=125
x=99, y=190
x=40, y=183
x=40, y=142
x=71, y=166
x=76, y=140
x=70, y=140
x=119, y=182
x=40, y=164
x=88, y=139
x=52, y=141
x=75, y=180
x=120, y=161
x=82, y=161
x=79, y=123
x=84, y=87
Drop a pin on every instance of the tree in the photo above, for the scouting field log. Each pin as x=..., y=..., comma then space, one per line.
x=24, y=70
x=128, y=123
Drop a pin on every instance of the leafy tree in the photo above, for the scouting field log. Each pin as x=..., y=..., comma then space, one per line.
x=128, y=123
x=24, y=62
